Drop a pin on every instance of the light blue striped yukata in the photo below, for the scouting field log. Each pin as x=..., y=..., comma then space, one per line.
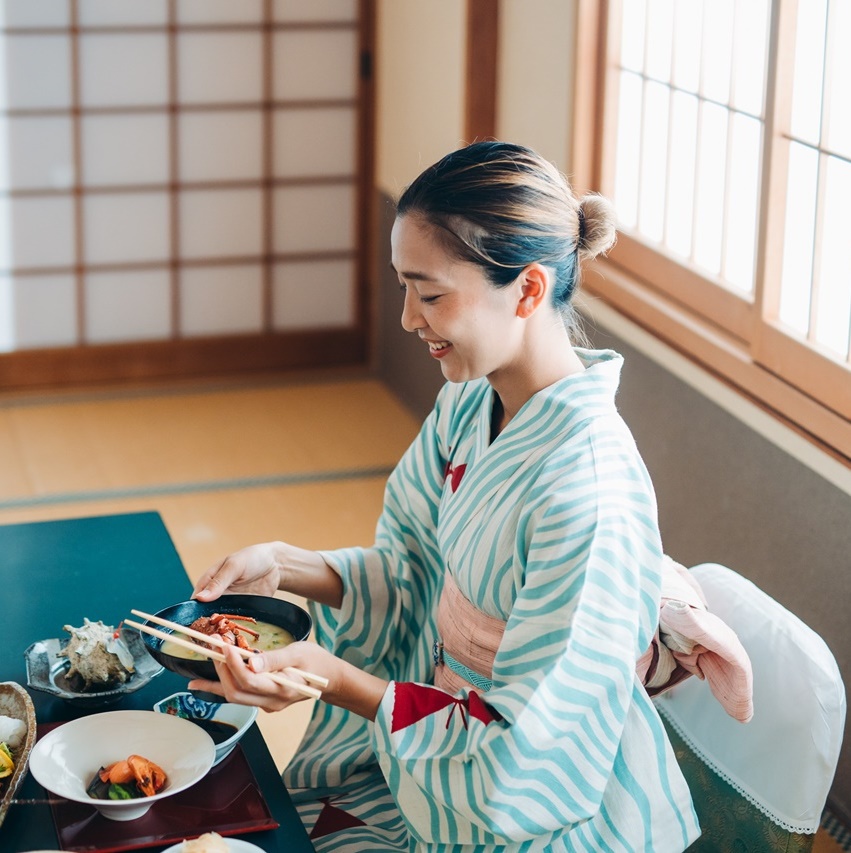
x=551, y=528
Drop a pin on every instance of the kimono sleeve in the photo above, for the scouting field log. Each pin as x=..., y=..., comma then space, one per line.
x=390, y=589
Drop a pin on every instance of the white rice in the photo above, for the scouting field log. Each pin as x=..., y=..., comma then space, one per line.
x=12, y=731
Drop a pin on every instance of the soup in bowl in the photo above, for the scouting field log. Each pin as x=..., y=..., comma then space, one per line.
x=264, y=623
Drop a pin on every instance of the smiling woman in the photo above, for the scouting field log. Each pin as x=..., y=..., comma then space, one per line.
x=490, y=240
x=523, y=496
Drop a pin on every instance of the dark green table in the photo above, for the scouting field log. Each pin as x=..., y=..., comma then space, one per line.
x=54, y=573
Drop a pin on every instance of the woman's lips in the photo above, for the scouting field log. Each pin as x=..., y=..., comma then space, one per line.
x=439, y=348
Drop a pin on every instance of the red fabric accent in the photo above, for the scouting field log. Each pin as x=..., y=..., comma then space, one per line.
x=480, y=710
x=414, y=702
x=455, y=473
x=333, y=819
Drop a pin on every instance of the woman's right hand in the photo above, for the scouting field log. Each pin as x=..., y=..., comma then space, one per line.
x=254, y=569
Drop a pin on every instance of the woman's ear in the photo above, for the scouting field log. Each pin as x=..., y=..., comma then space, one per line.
x=534, y=287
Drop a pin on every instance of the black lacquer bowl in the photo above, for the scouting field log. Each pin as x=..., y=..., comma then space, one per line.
x=276, y=611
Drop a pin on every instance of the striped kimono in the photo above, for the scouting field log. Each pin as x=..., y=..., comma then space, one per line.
x=551, y=528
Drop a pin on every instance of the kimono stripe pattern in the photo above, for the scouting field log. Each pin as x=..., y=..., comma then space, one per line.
x=552, y=528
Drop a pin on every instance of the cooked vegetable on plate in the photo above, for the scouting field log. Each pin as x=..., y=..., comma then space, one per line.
x=12, y=734
x=127, y=779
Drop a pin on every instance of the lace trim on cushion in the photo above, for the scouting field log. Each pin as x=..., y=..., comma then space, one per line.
x=803, y=829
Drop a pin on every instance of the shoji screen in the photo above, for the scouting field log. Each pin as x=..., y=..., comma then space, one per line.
x=183, y=186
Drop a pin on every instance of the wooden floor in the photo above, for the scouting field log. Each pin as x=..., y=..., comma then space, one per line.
x=229, y=465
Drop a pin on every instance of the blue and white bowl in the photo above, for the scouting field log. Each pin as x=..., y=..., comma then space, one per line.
x=191, y=707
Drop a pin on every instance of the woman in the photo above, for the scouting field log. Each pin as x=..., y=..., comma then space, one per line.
x=481, y=655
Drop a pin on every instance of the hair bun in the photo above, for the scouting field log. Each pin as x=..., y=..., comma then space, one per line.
x=597, y=231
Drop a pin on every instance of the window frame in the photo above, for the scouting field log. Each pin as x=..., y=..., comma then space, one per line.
x=737, y=340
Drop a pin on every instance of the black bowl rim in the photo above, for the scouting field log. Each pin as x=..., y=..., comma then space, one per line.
x=231, y=602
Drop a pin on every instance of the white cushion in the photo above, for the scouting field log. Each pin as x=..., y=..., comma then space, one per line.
x=784, y=759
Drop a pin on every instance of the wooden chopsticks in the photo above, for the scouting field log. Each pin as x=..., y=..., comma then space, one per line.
x=304, y=689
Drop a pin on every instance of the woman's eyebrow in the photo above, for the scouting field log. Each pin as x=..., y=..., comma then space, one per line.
x=414, y=276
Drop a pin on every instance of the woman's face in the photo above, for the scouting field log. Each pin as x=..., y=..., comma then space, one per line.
x=469, y=326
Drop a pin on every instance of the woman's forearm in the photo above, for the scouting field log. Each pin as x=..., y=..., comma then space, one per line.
x=356, y=690
x=305, y=573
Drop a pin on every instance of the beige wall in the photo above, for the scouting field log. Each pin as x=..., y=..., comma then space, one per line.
x=420, y=63
x=420, y=50
x=535, y=75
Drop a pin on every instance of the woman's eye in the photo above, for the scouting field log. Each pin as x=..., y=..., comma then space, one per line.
x=427, y=300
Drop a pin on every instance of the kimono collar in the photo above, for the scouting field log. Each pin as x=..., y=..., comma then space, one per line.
x=579, y=396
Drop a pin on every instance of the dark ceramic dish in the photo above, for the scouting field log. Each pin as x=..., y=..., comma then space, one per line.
x=47, y=671
x=263, y=608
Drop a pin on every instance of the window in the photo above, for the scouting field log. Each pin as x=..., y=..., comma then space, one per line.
x=723, y=136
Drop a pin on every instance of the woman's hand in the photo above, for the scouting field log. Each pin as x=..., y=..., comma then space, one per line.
x=264, y=569
x=255, y=569
x=244, y=682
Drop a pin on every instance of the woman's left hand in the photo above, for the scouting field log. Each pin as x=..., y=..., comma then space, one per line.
x=243, y=682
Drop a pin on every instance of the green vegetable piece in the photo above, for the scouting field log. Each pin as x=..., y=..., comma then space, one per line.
x=120, y=792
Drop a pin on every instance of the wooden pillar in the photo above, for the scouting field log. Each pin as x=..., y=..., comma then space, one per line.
x=481, y=70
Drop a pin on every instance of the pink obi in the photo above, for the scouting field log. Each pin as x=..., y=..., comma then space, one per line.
x=468, y=642
x=691, y=641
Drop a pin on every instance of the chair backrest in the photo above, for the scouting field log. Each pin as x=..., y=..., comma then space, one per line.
x=782, y=762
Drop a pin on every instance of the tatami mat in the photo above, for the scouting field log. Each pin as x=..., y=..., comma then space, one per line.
x=75, y=446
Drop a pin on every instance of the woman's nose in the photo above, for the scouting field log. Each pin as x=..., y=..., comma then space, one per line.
x=412, y=318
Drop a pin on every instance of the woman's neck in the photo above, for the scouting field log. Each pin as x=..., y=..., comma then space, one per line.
x=516, y=385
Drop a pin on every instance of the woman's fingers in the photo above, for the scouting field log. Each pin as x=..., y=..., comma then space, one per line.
x=241, y=684
x=203, y=686
x=213, y=582
x=251, y=569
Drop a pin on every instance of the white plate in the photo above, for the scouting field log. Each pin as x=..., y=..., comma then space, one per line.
x=235, y=845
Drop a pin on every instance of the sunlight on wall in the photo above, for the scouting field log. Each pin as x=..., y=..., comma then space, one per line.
x=420, y=87
x=535, y=77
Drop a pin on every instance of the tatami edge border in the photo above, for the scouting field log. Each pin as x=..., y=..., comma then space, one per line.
x=159, y=489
